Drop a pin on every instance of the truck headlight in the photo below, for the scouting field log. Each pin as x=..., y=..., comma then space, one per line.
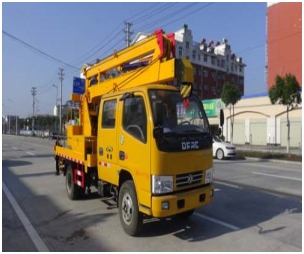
x=209, y=175
x=162, y=184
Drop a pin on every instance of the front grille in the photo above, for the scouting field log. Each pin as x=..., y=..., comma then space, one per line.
x=188, y=179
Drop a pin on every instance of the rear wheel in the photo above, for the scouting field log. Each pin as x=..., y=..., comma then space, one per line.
x=130, y=217
x=220, y=154
x=71, y=187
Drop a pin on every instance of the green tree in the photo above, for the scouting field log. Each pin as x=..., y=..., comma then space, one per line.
x=286, y=91
x=230, y=96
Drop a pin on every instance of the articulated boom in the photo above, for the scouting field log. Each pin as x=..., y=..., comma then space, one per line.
x=149, y=61
x=146, y=62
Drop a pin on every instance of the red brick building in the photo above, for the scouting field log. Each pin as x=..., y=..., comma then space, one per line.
x=284, y=40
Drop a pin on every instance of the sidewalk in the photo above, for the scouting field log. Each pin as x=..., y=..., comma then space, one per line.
x=269, y=149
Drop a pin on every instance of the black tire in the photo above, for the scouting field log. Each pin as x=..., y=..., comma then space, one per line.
x=130, y=217
x=184, y=215
x=71, y=187
x=220, y=154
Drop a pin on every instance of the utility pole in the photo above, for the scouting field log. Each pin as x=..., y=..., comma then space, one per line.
x=34, y=94
x=60, y=111
x=128, y=33
x=9, y=125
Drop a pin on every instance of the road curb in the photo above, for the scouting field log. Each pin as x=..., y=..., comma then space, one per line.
x=272, y=160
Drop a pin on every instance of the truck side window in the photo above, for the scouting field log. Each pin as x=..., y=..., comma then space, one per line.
x=108, y=114
x=135, y=118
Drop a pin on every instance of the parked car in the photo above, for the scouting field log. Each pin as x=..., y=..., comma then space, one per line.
x=53, y=135
x=222, y=149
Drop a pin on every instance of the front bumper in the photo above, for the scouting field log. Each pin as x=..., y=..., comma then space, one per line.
x=230, y=154
x=181, y=202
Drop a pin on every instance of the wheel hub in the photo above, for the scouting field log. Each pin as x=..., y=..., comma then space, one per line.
x=127, y=209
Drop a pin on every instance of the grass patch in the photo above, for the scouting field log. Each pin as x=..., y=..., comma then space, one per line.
x=268, y=155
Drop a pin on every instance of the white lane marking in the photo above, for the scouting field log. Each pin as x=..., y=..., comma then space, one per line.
x=228, y=184
x=217, y=189
x=41, y=247
x=30, y=153
x=285, y=177
x=15, y=148
x=216, y=221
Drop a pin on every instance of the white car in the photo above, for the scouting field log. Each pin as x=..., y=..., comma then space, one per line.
x=222, y=149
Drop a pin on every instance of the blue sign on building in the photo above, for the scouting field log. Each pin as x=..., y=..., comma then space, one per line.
x=78, y=85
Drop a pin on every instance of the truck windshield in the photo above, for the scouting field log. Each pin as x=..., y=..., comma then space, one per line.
x=179, y=117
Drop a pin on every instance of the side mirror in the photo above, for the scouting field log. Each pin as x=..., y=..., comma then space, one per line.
x=221, y=118
x=158, y=132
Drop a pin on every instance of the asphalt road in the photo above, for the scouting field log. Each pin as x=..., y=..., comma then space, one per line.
x=257, y=207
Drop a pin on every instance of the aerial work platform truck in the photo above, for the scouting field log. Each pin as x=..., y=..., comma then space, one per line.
x=143, y=138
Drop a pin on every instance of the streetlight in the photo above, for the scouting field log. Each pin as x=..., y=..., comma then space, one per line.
x=56, y=106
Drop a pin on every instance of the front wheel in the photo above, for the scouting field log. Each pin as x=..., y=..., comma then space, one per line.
x=130, y=217
x=220, y=154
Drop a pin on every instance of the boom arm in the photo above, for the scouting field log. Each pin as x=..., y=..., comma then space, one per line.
x=150, y=61
x=153, y=56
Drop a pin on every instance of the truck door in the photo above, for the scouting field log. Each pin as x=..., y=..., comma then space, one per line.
x=134, y=148
x=107, y=147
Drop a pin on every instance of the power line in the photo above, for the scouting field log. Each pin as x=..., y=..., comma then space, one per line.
x=37, y=50
x=88, y=54
x=265, y=43
x=168, y=16
x=152, y=12
x=94, y=51
x=196, y=10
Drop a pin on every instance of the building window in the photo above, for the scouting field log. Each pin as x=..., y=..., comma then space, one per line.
x=213, y=89
x=213, y=60
x=222, y=63
x=187, y=44
x=205, y=74
x=194, y=70
x=187, y=57
x=227, y=57
x=180, y=51
x=240, y=68
x=232, y=68
x=213, y=75
x=218, y=62
x=205, y=58
x=206, y=87
x=193, y=54
x=199, y=57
